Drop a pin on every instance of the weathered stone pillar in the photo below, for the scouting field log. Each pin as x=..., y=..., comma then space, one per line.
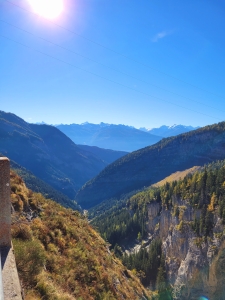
x=5, y=203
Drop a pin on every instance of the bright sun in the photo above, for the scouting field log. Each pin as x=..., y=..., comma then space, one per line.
x=49, y=9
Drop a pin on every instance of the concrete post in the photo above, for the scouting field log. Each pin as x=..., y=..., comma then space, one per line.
x=5, y=203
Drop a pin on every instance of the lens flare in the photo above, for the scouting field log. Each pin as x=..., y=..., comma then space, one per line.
x=49, y=9
x=203, y=298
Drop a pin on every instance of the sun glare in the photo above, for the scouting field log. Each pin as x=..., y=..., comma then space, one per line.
x=49, y=9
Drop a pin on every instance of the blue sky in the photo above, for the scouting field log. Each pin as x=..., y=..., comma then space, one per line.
x=141, y=63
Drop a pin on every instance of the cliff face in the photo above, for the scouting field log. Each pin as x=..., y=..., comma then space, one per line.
x=194, y=265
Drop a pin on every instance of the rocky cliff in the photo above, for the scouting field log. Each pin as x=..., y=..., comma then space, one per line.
x=194, y=265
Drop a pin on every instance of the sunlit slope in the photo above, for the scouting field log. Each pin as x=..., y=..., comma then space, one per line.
x=151, y=164
x=60, y=256
x=176, y=176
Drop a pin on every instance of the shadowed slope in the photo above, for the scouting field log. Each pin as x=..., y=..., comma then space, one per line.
x=151, y=164
x=48, y=153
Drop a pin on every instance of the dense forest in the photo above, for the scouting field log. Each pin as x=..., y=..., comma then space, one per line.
x=204, y=191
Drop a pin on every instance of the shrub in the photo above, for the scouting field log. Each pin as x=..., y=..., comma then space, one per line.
x=21, y=231
x=30, y=259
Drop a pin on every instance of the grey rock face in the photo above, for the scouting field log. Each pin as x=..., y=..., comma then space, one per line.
x=192, y=262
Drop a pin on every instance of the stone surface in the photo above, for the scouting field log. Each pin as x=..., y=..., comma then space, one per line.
x=193, y=264
x=11, y=284
x=153, y=216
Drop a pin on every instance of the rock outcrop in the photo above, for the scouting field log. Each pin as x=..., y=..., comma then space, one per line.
x=194, y=264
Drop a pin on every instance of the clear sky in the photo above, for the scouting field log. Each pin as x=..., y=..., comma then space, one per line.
x=142, y=63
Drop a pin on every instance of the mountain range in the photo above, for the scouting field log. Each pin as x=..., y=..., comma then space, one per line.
x=167, y=131
x=170, y=234
x=50, y=155
x=151, y=164
x=119, y=137
x=109, y=136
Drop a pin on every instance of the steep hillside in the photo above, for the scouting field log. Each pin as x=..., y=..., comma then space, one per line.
x=175, y=235
x=109, y=136
x=39, y=186
x=107, y=155
x=59, y=255
x=176, y=176
x=48, y=153
x=152, y=164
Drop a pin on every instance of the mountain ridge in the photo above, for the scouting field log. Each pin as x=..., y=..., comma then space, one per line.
x=151, y=164
x=109, y=136
x=167, y=131
x=48, y=153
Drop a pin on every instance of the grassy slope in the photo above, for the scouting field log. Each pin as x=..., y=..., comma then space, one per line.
x=59, y=255
x=176, y=176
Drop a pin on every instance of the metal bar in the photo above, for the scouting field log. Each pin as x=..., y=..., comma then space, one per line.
x=1, y=284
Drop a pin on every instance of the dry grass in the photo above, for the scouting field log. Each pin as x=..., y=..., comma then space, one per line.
x=176, y=176
x=60, y=256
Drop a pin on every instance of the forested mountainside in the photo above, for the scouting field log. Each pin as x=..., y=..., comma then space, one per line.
x=107, y=155
x=151, y=164
x=48, y=154
x=174, y=235
x=109, y=136
x=60, y=256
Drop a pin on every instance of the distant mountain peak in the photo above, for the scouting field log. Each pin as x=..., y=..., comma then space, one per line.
x=41, y=123
x=167, y=131
x=152, y=164
x=118, y=137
